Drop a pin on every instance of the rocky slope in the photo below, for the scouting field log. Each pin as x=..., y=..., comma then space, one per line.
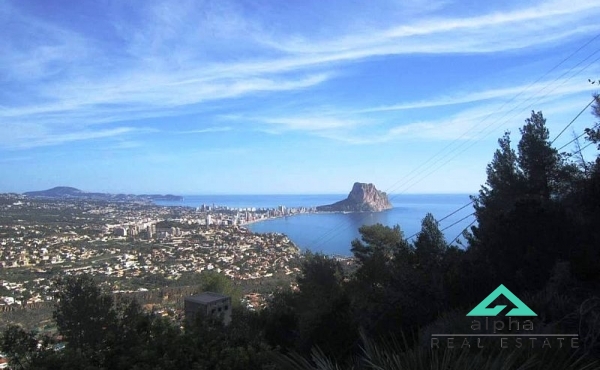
x=362, y=198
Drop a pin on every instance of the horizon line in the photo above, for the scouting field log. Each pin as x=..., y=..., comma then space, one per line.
x=244, y=194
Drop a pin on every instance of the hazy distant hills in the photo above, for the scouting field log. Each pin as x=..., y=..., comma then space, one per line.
x=362, y=198
x=66, y=192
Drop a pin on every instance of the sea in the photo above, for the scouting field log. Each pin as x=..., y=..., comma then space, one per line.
x=332, y=233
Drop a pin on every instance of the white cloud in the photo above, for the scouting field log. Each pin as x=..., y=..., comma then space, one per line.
x=207, y=130
x=23, y=139
x=482, y=33
x=309, y=123
x=176, y=58
x=537, y=91
x=484, y=121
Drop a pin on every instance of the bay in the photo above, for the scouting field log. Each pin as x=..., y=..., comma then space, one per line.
x=332, y=233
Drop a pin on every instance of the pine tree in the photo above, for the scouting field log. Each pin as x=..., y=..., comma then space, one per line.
x=538, y=160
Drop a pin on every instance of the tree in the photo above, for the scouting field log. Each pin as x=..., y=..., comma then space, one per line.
x=504, y=185
x=537, y=158
x=212, y=281
x=19, y=346
x=83, y=313
x=593, y=133
x=379, y=239
x=523, y=228
x=430, y=245
x=323, y=306
x=281, y=320
x=504, y=182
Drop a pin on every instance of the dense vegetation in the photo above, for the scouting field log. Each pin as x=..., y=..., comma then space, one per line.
x=537, y=233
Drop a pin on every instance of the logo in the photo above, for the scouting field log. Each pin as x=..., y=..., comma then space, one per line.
x=482, y=308
x=516, y=330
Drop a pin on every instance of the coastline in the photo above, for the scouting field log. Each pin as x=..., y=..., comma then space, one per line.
x=329, y=232
x=311, y=213
x=273, y=218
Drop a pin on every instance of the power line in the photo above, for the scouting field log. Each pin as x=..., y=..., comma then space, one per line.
x=447, y=161
x=573, y=120
x=435, y=169
x=582, y=149
x=459, y=221
x=445, y=217
x=507, y=102
x=517, y=106
x=466, y=205
x=465, y=133
x=465, y=229
x=572, y=141
x=489, y=132
x=344, y=226
x=336, y=230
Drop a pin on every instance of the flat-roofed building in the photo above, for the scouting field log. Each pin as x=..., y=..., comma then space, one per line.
x=208, y=303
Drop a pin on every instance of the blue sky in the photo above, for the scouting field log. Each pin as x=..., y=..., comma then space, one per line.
x=263, y=97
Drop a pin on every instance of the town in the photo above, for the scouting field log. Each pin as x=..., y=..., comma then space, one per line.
x=134, y=246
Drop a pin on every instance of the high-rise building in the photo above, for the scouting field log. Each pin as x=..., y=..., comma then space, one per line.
x=132, y=231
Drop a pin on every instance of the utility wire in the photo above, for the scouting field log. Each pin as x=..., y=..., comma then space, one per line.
x=447, y=227
x=575, y=52
x=466, y=205
x=504, y=104
x=435, y=169
x=582, y=149
x=489, y=132
x=465, y=229
x=490, y=125
x=475, y=220
x=572, y=141
x=587, y=106
x=335, y=231
x=462, y=219
x=573, y=120
x=394, y=186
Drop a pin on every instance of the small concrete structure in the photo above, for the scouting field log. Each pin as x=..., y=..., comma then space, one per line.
x=208, y=303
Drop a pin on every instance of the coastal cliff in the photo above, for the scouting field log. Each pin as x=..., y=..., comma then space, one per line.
x=362, y=198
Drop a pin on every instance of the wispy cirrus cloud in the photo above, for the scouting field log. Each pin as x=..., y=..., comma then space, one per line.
x=308, y=123
x=166, y=59
x=207, y=130
x=539, y=91
x=470, y=122
x=438, y=34
x=21, y=138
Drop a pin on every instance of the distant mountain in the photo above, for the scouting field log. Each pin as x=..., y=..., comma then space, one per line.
x=69, y=192
x=362, y=198
x=57, y=192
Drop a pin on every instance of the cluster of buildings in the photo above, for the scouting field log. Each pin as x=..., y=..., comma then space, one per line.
x=119, y=242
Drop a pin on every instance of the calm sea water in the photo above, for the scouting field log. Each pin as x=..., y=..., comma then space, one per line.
x=331, y=233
